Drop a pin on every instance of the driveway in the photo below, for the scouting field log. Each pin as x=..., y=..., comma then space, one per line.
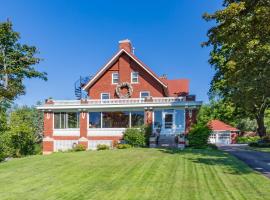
x=259, y=161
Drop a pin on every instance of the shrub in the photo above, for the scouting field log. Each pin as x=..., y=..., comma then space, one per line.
x=258, y=144
x=123, y=146
x=147, y=131
x=212, y=146
x=247, y=139
x=79, y=147
x=102, y=147
x=135, y=136
x=198, y=136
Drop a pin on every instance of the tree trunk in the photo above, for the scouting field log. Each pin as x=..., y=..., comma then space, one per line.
x=261, y=130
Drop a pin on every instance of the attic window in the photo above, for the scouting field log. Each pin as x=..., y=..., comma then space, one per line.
x=134, y=77
x=115, y=78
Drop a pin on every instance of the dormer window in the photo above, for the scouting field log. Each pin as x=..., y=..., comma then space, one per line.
x=115, y=78
x=134, y=77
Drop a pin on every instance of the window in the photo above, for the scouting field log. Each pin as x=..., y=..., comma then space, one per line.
x=115, y=78
x=105, y=96
x=115, y=119
x=157, y=119
x=144, y=94
x=180, y=119
x=66, y=120
x=95, y=120
x=137, y=118
x=134, y=77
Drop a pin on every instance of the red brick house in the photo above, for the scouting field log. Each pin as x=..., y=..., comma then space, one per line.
x=123, y=93
x=222, y=133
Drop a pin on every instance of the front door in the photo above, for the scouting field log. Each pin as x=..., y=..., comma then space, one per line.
x=168, y=123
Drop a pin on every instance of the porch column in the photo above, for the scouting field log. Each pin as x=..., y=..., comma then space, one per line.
x=148, y=116
x=83, y=129
x=47, y=143
x=190, y=115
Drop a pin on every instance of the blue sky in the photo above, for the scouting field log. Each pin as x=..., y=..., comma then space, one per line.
x=77, y=37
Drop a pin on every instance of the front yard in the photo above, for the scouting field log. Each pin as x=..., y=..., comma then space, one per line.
x=266, y=149
x=132, y=174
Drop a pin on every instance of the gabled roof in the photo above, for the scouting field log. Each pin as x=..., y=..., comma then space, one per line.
x=112, y=61
x=217, y=125
x=177, y=87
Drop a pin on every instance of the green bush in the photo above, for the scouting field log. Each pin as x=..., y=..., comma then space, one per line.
x=198, y=136
x=212, y=146
x=258, y=144
x=247, y=139
x=135, y=137
x=102, y=147
x=123, y=146
x=79, y=147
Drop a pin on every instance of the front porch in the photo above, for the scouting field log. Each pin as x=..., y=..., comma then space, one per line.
x=93, y=121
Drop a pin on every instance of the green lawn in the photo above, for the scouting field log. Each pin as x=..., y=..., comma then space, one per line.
x=132, y=174
x=260, y=149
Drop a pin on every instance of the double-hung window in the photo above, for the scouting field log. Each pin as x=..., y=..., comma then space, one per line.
x=134, y=77
x=115, y=78
x=144, y=94
x=64, y=120
x=105, y=96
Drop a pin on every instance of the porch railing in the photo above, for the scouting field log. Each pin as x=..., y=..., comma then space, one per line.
x=121, y=101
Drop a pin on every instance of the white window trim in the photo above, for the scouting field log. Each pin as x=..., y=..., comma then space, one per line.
x=131, y=79
x=105, y=93
x=144, y=92
x=112, y=77
x=66, y=123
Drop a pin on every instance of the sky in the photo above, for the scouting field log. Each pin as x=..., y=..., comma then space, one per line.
x=76, y=38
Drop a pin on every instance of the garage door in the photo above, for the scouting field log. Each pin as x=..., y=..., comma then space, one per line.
x=223, y=137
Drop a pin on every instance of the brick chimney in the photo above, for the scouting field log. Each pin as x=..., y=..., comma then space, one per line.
x=126, y=44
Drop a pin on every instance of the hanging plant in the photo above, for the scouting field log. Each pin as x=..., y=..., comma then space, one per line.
x=121, y=86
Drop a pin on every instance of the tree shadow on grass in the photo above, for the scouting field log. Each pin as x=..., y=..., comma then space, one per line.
x=229, y=164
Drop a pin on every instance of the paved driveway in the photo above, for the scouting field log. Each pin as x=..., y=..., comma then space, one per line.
x=259, y=161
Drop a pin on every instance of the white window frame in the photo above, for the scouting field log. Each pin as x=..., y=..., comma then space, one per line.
x=144, y=92
x=66, y=121
x=114, y=79
x=131, y=76
x=103, y=94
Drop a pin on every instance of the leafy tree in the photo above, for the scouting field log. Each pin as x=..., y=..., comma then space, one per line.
x=221, y=110
x=16, y=63
x=25, y=130
x=240, y=56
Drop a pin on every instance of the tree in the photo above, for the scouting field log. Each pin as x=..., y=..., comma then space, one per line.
x=221, y=110
x=16, y=63
x=25, y=130
x=240, y=55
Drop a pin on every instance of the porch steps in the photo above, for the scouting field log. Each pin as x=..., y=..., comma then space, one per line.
x=166, y=141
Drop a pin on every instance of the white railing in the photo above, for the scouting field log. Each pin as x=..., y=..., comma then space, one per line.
x=120, y=101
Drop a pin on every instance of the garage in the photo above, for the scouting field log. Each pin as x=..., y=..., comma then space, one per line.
x=222, y=133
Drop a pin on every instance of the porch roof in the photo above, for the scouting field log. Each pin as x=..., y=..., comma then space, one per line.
x=119, y=103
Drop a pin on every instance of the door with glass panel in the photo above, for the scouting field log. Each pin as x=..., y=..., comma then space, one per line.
x=168, y=122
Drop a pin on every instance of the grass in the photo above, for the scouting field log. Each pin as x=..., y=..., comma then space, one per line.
x=132, y=174
x=266, y=149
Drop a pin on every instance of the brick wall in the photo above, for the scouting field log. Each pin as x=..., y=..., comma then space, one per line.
x=124, y=66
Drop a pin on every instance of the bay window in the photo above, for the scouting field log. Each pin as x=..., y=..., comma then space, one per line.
x=63, y=120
